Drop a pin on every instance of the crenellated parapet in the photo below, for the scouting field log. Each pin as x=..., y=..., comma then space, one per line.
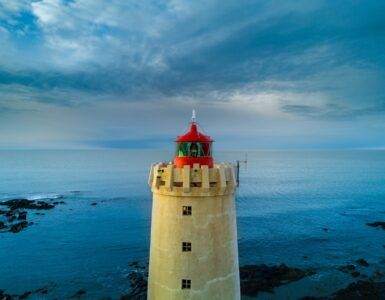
x=198, y=180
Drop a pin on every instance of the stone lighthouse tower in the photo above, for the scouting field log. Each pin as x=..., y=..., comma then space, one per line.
x=194, y=251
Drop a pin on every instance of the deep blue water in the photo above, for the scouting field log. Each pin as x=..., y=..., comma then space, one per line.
x=302, y=208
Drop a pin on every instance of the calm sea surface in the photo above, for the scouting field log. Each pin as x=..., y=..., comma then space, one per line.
x=304, y=209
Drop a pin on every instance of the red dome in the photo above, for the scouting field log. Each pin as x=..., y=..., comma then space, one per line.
x=193, y=147
x=193, y=135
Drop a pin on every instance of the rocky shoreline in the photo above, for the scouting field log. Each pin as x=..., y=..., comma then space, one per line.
x=15, y=216
x=254, y=279
x=263, y=278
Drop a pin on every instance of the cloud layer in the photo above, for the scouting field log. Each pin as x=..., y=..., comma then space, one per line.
x=265, y=74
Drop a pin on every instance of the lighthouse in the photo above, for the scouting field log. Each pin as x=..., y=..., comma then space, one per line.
x=194, y=250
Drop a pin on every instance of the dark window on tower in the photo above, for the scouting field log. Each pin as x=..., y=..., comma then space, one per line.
x=187, y=210
x=186, y=246
x=186, y=284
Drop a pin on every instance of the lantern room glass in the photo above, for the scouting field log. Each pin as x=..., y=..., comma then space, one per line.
x=193, y=149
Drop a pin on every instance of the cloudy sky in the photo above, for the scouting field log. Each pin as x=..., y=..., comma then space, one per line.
x=126, y=74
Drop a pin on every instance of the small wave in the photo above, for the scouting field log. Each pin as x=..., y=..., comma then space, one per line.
x=44, y=196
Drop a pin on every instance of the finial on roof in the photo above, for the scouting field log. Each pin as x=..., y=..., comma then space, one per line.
x=193, y=117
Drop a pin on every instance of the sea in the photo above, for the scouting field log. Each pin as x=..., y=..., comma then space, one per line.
x=306, y=209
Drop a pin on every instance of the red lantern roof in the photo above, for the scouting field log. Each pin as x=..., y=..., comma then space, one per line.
x=193, y=135
x=193, y=147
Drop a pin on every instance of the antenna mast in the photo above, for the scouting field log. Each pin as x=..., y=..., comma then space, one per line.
x=193, y=117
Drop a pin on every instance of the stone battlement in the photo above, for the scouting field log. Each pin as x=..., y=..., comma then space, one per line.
x=199, y=180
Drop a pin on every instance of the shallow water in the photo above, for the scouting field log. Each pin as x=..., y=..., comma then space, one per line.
x=302, y=208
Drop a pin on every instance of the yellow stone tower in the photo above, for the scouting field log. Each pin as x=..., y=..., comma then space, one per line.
x=194, y=250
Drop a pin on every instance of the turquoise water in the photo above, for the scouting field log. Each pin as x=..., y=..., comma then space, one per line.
x=305, y=209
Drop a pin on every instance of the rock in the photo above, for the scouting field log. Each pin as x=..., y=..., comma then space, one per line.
x=377, y=275
x=10, y=219
x=4, y=296
x=134, y=264
x=58, y=202
x=347, y=268
x=15, y=228
x=361, y=290
x=43, y=290
x=355, y=274
x=80, y=293
x=94, y=203
x=362, y=262
x=25, y=295
x=138, y=282
x=377, y=224
x=22, y=215
x=263, y=278
x=2, y=225
x=26, y=204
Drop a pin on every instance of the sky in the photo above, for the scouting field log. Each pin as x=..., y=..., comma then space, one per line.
x=85, y=74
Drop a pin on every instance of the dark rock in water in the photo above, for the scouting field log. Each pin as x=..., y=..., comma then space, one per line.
x=58, y=202
x=10, y=219
x=2, y=225
x=22, y=215
x=377, y=224
x=361, y=290
x=4, y=296
x=368, y=290
x=94, y=203
x=80, y=293
x=362, y=262
x=254, y=279
x=138, y=281
x=15, y=228
x=43, y=290
x=25, y=295
x=263, y=278
x=26, y=204
x=377, y=275
x=134, y=264
x=347, y=268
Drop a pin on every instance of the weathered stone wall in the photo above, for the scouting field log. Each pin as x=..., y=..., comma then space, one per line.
x=212, y=265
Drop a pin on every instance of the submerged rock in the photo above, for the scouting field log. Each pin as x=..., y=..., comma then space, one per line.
x=4, y=296
x=263, y=278
x=2, y=225
x=15, y=228
x=377, y=224
x=347, y=268
x=58, y=202
x=22, y=215
x=80, y=293
x=362, y=262
x=361, y=290
x=25, y=295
